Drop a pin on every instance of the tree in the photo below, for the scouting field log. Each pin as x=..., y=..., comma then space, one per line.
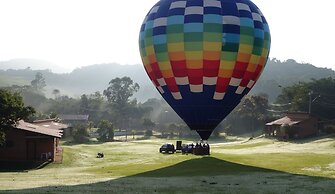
x=29, y=95
x=105, y=131
x=12, y=109
x=147, y=123
x=84, y=104
x=56, y=93
x=93, y=105
x=118, y=95
x=120, y=90
x=38, y=83
x=248, y=116
x=64, y=105
x=254, y=109
x=317, y=94
x=148, y=133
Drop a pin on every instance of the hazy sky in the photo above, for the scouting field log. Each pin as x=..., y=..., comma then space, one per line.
x=74, y=33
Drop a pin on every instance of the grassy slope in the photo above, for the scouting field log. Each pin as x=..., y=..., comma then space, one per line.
x=138, y=167
x=11, y=80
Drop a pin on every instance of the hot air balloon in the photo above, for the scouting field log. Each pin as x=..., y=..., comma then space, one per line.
x=203, y=56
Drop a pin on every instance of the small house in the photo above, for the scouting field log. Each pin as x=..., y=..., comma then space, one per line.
x=74, y=119
x=30, y=142
x=293, y=126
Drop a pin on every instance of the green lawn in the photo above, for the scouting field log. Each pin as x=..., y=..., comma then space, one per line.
x=137, y=167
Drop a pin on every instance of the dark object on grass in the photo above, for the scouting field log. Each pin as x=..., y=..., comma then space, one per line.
x=100, y=155
x=201, y=149
x=187, y=148
x=179, y=145
x=167, y=148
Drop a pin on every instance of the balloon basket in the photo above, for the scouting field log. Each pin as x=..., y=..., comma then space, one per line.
x=201, y=149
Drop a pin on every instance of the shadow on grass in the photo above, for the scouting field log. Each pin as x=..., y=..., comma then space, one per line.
x=89, y=142
x=311, y=139
x=24, y=166
x=202, y=175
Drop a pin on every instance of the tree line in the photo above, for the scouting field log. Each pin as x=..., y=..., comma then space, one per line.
x=115, y=108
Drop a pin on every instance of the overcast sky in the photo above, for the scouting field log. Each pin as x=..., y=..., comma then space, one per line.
x=74, y=33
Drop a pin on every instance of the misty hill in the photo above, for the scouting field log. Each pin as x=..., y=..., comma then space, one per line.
x=278, y=74
x=94, y=78
x=33, y=64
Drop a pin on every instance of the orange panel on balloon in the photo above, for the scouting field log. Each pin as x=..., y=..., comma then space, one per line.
x=177, y=56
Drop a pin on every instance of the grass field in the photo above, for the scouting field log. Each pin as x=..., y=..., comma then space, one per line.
x=255, y=166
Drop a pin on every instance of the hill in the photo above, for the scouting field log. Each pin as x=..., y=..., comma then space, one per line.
x=278, y=74
x=94, y=78
x=33, y=64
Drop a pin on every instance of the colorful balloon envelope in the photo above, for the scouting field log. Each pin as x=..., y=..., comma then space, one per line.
x=203, y=56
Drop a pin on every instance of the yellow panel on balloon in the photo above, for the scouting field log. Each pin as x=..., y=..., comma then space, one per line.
x=194, y=55
x=212, y=46
x=166, y=65
x=150, y=50
x=173, y=47
x=265, y=52
x=254, y=59
x=245, y=48
x=145, y=60
x=227, y=65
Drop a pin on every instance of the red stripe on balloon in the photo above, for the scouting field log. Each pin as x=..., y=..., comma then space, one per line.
x=195, y=76
x=179, y=68
x=222, y=84
x=172, y=85
x=156, y=70
x=211, y=68
x=247, y=77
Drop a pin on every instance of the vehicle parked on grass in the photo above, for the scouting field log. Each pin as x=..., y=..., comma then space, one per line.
x=167, y=148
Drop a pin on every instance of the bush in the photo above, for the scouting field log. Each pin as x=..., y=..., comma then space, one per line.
x=105, y=131
x=148, y=133
x=80, y=133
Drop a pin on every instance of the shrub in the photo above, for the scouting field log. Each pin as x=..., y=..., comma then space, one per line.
x=105, y=131
x=148, y=133
x=80, y=133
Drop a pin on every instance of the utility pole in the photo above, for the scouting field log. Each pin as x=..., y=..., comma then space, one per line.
x=310, y=103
